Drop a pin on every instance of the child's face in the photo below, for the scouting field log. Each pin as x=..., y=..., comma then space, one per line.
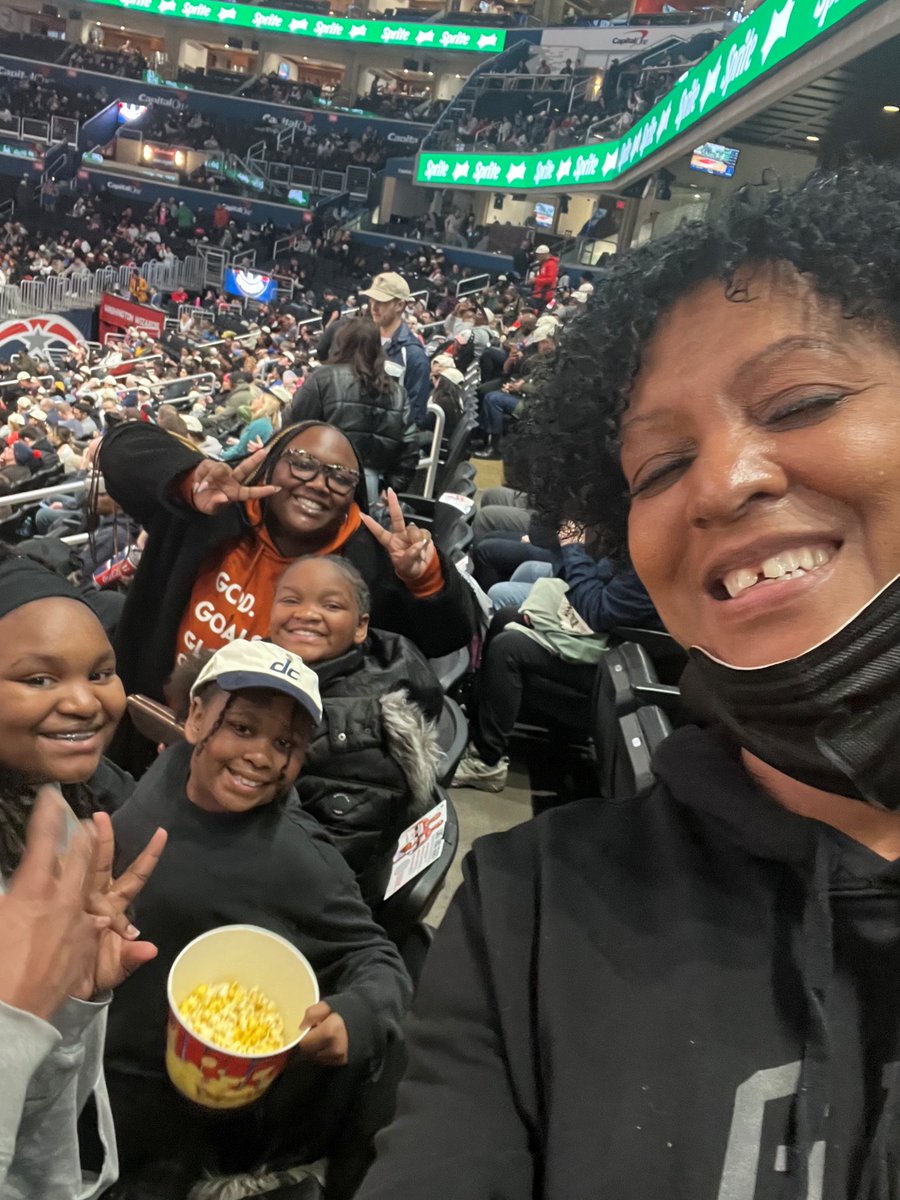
x=315, y=614
x=60, y=697
x=253, y=756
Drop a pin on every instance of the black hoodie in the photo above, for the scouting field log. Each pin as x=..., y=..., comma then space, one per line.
x=691, y=996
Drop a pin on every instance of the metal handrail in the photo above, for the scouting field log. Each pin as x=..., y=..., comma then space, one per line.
x=15, y=382
x=61, y=489
x=189, y=379
x=475, y=283
x=431, y=461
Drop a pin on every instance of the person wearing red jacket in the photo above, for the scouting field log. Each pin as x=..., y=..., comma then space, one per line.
x=543, y=285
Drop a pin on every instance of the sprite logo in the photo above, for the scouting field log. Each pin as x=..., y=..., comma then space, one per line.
x=775, y=31
x=277, y=19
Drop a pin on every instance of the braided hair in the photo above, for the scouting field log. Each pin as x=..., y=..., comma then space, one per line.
x=17, y=799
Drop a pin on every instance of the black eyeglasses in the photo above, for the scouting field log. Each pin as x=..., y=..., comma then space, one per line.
x=339, y=480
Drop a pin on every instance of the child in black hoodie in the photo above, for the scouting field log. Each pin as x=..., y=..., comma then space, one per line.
x=243, y=851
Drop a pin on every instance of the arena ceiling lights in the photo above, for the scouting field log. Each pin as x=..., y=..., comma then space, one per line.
x=777, y=30
x=411, y=35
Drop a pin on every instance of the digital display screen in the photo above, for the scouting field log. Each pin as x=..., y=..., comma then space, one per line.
x=543, y=215
x=250, y=285
x=130, y=112
x=713, y=159
x=299, y=197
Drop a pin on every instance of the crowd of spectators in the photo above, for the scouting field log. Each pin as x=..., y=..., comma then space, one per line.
x=86, y=231
x=531, y=131
x=127, y=61
x=44, y=99
x=300, y=93
x=509, y=120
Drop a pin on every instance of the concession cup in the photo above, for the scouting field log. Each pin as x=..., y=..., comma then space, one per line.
x=252, y=957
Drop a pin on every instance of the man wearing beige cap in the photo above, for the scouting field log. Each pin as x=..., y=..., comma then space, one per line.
x=407, y=362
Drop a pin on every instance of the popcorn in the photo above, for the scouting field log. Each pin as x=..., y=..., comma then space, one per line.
x=234, y=1018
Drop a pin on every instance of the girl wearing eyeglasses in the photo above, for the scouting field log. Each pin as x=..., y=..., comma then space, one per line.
x=220, y=537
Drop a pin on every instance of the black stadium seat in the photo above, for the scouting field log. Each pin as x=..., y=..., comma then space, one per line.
x=632, y=713
x=407, y=908
x=453, y=731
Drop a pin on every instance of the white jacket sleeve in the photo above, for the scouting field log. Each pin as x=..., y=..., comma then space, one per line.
x=49, y=1070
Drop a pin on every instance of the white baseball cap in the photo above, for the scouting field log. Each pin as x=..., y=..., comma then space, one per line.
x=542, y=250
x=192, y=424
x=244, y=664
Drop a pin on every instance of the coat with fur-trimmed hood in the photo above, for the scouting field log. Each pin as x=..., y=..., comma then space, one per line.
x=372, y=765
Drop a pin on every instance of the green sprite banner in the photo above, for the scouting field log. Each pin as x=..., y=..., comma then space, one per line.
x=775, y=31
x=326, y=29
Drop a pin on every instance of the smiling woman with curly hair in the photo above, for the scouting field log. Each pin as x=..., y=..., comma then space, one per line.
x=696, y=994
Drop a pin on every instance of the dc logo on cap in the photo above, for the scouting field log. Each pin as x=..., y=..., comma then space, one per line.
x=285, y=668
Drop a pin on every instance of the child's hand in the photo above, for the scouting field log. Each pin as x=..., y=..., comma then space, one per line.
x=326, y=1043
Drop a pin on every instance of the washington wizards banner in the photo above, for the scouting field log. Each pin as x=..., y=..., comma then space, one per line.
x=37, y=335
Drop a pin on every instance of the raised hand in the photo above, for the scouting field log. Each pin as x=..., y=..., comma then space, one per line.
x=119, y=953
x=411, y=549
x=48, y=939
x=214, y=485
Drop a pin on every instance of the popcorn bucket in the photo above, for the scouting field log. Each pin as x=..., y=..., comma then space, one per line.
x=252, y=957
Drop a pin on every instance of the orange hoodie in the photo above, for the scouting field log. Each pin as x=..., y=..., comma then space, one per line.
x=233, y=593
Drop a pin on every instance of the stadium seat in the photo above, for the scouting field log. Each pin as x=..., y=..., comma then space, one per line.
x=408, y=907
x=632, y=712
x=638, y=736
x=450, y=668
x=453, y=731
x=668, y=658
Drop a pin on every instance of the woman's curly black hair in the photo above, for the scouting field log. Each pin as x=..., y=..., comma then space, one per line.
x=839, y=229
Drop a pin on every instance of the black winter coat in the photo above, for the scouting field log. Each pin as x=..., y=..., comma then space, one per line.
x=380, y=428
x=371, y=768
x=140, y=464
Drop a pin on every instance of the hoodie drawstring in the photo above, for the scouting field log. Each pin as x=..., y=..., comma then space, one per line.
x=812, y=1104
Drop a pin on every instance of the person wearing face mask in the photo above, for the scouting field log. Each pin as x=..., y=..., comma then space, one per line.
x=697, y=993
x=220, y=538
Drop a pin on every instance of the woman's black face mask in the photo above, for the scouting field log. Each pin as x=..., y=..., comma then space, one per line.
x=830, y=718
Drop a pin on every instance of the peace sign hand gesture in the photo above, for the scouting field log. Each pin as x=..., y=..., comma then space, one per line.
x=411, y=549
x=119, y=952
x=214, y=485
